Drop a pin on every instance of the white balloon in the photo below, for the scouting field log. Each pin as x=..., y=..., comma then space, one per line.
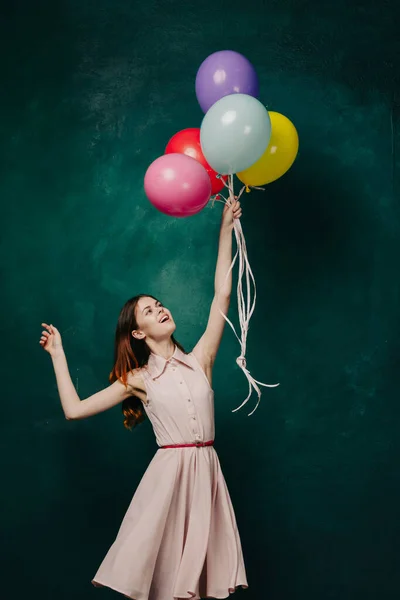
x=235, y=133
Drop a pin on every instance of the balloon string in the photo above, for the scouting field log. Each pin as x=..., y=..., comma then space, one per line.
x=245, y=305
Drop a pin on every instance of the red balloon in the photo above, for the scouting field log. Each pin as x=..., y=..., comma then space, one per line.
x=187, y=142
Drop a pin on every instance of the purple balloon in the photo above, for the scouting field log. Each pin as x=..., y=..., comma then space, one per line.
x=223, y=73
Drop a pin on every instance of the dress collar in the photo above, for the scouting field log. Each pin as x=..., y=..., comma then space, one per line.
x=157, y=363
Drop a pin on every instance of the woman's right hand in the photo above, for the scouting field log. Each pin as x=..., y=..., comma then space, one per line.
x=51, y=340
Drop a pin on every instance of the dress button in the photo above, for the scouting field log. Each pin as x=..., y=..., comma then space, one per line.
x=194, y=418
x=188, y=399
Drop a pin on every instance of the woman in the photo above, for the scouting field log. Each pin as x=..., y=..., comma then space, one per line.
x=179, y=537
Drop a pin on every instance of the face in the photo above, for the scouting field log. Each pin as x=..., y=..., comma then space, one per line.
x=153, y=319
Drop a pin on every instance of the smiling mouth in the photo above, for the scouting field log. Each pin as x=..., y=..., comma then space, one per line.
x=164, y=319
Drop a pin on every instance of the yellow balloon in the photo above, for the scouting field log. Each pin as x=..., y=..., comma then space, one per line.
x=279, y=155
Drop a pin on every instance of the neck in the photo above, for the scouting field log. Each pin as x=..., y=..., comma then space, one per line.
x=164, y=348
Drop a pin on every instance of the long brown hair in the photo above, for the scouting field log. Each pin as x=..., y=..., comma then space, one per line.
x=130, y=353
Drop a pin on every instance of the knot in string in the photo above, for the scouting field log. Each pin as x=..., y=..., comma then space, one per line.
x=241, y=362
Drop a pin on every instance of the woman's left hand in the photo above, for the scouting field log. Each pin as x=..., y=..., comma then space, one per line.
x=231, y=212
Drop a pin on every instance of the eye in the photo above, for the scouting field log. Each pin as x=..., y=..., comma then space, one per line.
x=149, y=310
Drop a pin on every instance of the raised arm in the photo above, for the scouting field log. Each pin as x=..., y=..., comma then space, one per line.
x=73, y=406
x=207, y=347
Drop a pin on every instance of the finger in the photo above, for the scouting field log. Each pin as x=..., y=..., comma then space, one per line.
x=45, y=333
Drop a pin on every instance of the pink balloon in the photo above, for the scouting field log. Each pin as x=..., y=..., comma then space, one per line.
x=177, y=185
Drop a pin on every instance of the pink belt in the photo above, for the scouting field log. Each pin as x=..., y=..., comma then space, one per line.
x=196, y=445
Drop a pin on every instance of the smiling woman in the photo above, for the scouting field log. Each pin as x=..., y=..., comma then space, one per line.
x=179, y=538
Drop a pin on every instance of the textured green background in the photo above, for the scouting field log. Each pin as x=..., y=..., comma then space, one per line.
x=91, y=92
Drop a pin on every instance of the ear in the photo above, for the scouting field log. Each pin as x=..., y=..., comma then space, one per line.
x=137, y=334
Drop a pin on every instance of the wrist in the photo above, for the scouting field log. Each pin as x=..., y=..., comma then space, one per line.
x=57, y=353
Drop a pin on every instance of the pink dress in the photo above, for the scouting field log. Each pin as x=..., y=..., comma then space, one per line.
x=179, y=537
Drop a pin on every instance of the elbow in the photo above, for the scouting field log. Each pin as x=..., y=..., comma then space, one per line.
x=70, y=416
x=74, y=412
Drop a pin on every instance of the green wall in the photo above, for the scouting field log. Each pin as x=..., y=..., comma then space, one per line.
x=91, y=93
